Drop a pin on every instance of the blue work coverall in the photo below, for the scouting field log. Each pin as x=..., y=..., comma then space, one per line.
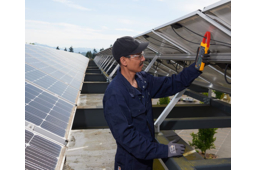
x=128, y=113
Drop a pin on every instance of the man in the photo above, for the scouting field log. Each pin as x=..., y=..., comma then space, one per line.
x=128, y=109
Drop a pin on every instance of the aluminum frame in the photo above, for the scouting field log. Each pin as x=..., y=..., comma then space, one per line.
x=110, y=66
x=219, y=3
x=103, y=63
x=211, y=21
x=113, y=72
x=215, y=57
x=152, y=62
x=110, y=61
x=167, y=110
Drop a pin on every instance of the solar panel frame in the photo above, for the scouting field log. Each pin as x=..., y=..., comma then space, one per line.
x=42, y=152
x=52, y=100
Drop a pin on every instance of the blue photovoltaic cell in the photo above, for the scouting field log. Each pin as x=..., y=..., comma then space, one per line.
x=68, y=75
x=53, y=128
x=46, y=110
x=56, y=72
x=51, y=84
x=33, y=118
x=52, y=78
x=28, y=136
x=41, y=153
x=51, y=148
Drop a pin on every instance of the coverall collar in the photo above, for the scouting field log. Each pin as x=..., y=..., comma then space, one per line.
x=132, y=90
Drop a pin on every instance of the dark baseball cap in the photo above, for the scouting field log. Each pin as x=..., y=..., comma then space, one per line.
x=126, y=46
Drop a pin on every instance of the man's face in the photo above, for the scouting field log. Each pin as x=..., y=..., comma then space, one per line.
x=135, y=62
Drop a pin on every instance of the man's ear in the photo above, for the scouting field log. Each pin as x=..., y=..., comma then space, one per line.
x=123, y=61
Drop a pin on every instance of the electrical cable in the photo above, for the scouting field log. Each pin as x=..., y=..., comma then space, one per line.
x=166, y=46
x=184, y=38
x=163, y=42
x=203, y=36
x=198, y=43
x=225, y=75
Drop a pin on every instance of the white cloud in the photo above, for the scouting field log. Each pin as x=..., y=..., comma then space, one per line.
x=65, y=35
x=72, y=5
x=104, y=27
x=124, y=29
x=126, y=21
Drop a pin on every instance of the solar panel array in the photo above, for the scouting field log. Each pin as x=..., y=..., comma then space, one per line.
x=177, y=42
x=53, y=82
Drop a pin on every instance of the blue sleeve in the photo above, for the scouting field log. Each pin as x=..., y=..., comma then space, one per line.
x=126, y=135
x=167, y=86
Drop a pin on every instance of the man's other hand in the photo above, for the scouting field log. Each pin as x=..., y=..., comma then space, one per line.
x=175, y=149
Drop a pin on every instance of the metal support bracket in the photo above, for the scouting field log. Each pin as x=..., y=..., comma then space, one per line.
x=167, y=110
x=110, y=66
x=112, y=73
x=105, y=60
x=108, y=63
x=152, y=62
x=102, y=60
x=211, y=21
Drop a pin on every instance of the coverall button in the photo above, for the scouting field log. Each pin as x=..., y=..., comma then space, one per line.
x=143, y=96
x=144, y=81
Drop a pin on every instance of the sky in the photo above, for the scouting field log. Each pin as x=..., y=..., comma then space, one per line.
x=97, y=24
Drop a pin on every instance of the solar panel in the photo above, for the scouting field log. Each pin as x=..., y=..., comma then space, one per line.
x=53, y=82
x=54, y=85
x=40, y=153
x=177, y=42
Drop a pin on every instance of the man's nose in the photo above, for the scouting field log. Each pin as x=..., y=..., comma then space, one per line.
x=143, y=58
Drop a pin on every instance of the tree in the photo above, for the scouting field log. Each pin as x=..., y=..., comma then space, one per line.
x=57, y=48
x=71, y=49
x=94, y=53
x=163, y=100
x=203, y=140
x=65, y=49
x=219, y=95
x=89, y=54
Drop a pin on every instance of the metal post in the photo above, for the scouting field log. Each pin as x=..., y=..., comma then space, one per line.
x=111, y=66
x=211, y=21
x=101, y=65
x=219, y=71
x=108, y=63
x=167, y=110
x=152, y=62
x=102, y=61
x=210, y=93
x=107, y=60
x=112, y=73
x=161, y=70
